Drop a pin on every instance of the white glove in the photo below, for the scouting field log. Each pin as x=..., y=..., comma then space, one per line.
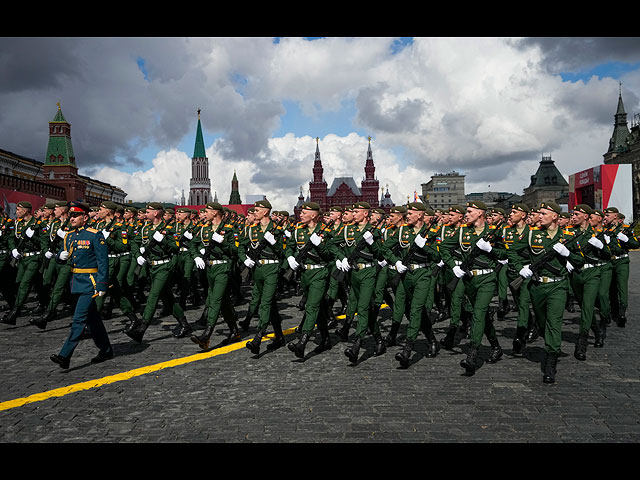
x=106, y=233
x=345, y=264
x=420, y=241
x=526, y=272
x=561, y=249
x=292, y=262
x=29, y=232
x=623, y=237
x=270, y=238
x=368, y=237
x=142, y=250
x=596, y=243
x=441, y=264
x=484, y=245
x=249, y=263
x=203, y=251
x=315, y=239
x=287, y=233
x=607, y=239
x=102, y=293
x=61, y=233
x=157, y=236
x=188, y=235
x=383, y=263
x=63, y=255
x=199, y=263
x=569, y=267
x=503, y=262
x=216, y=237
x=339, y=264
x=0, y=233
x=48, y=254
x=458, y=272
x=15, y=253
x=141, y=261
x=400, y=267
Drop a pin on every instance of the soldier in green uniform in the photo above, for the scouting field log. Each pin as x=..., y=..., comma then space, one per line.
x=548, y=288
x=516, y=232
x=7, y=271
x=184, y=266
x=213, y=249
x=416, y=260
x=622, y=239
x=602, y=304
x=43, y=283
x=264, y=233
x=26, y=245
x=585, y=281
x=57, y=272
x=335, y=289
x=498, y=217
x=86, y=251
x=155, y=245
x=480, y=280
x=362, y=238
x=314, y=280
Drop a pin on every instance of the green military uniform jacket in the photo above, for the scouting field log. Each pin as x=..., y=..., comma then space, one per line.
x=396, y=247
x=153, y=250
x=344, y=244
x=252, y=238
x=317, y=254
x=617, y=247
x=213, y=251
x=464, y=239
x=24, y=244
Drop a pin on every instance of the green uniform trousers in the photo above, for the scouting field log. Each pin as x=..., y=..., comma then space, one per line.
x=218, y=277
x=161, y=276
x=419, y=289
x=548, y=301
x=62, y=273
x=265, y=285
x=314, y=285
x=603, y=303
x=28, y=268
x=480, y=290
x=586, y=285
x=619, y=289
x=522, y=299
x=363, y=284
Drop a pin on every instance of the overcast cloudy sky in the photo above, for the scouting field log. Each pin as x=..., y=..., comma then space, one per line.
x=486, y=107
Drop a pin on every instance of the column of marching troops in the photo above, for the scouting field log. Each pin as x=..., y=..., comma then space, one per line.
x=424, y=265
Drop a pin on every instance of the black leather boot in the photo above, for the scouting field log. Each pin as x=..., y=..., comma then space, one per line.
x=203, y=339
x=254, y=344
x=502, y=309
x=390, y=340
x=244, y=324
x=298, y=347
x=343, y=332
x=580, y=352
x=352, y=351
x=603, y=327
x=520, y=340
x=137, y=332
x=449, y=339
x=622, y=318
x=434, y=345
x=551, y=361
x=325, y=341
x=404, y=356
x=134, y=322
x=381, y=346
x=234, y=334
x=10, y=318
x=183, y=329
x=41, y=322
x=202, y=320
x=532, y=333
x=469, y=363
x=598, y=341
x=496, y=351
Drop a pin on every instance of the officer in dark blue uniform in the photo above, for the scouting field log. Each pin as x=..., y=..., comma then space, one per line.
x=86, y=250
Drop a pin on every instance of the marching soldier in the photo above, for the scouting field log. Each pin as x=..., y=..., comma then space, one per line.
x=213, y=249
x=309, y=235
x=335, y=289
x=480, y=278
x=26, y=245
x=416, y=260
x=585, y=281
x=7, y=272
x=622, y=239
x=264, y=242
x=184, y=266
x=596, y=219
x=86, y=250
x=155, y=245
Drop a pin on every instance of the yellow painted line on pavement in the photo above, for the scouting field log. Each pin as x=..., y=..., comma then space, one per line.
x=78, y=387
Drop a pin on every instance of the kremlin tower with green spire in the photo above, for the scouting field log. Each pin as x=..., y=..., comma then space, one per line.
x=200, y=185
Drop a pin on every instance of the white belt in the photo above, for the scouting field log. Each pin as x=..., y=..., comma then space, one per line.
x=415, y=266
x=480, y=272
x=312, y=267
x=123, y=254
x=113, y=255
x=591, y=265
x=3, y=251
x=263, y=261
x=182, y=249
x=28, y=254
x=215, y=262
x=458, y=262
x=363, y=265
x=550, y=279
x=613, y=257
x=159, y=262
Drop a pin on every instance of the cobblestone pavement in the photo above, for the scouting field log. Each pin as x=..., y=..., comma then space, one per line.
x=168, y=390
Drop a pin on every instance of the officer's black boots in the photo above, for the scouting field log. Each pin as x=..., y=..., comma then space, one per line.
x=202, y=321
x=496, y=351
x=63, y=362
x=520, y=340
x=449, y=339
x=580, y=352
x=381, y=346
x=41, y=321
x=550, y=362
x=622, y=318
x=203, y=340
x=254, y=344
x=404, y=355
x=10, y=318
x=469, y=363
x=353, y=351
x=298, y=347
x=137, y=332
x=183, y=329
x=598, y=341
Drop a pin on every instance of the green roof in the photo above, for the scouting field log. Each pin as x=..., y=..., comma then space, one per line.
x=198, y=151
